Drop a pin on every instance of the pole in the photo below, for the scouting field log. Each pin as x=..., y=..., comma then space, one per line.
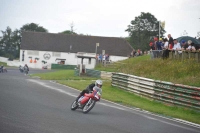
x=159, y=30
x=97, y=44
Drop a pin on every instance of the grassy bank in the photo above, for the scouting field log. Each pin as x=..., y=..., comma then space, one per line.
x=117, y=95
x=185, y=72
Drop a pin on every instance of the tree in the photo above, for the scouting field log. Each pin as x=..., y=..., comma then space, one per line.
x=6, y=42
x=68, y=32
x=10, y=42
x=71, y=32
x=33, y=27
x=142, y=29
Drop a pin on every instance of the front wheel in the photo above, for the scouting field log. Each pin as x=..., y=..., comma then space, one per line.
x=90, y=104
x=74, y=105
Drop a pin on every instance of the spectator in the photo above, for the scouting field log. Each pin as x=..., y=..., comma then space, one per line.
x=184, y=45
x=138, y=51
x=100, y=58
x=108, y=57
x=159, y=44
x=134, y=52
x=190, y=46
x=171, y=41
x=155, y=42
x=166, y=44
x=165, y=49
x=104, y=58
x=161, y=41
x=151, y=46
x=177, y=46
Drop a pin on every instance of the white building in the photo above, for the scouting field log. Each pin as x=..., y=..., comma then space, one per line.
x=38, y=48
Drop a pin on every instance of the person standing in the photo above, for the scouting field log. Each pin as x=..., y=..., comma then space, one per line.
x=171, y=41
x=165, y=49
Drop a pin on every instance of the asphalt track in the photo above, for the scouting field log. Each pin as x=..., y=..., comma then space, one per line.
x=30, y=105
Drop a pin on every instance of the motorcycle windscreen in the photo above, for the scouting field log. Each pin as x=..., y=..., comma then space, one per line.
x=84, y=100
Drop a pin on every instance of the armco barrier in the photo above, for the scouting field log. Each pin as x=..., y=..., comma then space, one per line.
x=167, y=92
x=89, y=72
x=93, y=73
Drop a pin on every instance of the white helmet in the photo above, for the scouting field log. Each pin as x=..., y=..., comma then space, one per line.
x=98, y=82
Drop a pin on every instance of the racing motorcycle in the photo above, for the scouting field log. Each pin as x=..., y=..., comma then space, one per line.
x=3, y=69
x=86, y=102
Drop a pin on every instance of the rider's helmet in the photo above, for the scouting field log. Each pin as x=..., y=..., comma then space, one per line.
x=98, y=83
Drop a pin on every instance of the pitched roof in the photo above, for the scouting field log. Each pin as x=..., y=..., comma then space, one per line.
x=62, y=42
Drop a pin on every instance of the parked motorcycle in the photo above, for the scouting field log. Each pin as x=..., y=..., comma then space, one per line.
x=86, y=102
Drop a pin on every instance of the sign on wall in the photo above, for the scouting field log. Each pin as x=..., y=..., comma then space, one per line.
x=47, y=56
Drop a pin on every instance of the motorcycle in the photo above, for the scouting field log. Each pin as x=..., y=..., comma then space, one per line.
x=26, y=70
x=86, y=102
x=3, y=70
x=21, y=69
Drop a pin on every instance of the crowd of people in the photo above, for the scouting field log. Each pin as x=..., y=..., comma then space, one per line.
x=103, y=58
x=169, y=43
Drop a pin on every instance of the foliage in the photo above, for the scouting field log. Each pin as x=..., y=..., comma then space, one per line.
x=33, y=27
x=142, y=30
x=11, y=39
x=69, y=32
x=7, y=43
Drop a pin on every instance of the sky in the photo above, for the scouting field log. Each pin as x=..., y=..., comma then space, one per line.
x=108, y=18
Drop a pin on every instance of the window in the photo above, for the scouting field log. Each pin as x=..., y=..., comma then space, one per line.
x=32, y=52
x=56, y=54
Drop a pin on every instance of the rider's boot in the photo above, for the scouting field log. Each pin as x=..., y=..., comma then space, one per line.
x=78, y=98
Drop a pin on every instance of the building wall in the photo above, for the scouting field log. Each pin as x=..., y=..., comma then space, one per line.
x=70, y=58
x=117, y=58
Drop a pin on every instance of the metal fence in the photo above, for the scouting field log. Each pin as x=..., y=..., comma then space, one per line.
x=93, y=73
x=89, y=72
x=167, y=92
x=178, y=55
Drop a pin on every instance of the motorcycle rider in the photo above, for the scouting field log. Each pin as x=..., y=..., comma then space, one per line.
x=26, y=68
x=1, y=68
x=97, y=86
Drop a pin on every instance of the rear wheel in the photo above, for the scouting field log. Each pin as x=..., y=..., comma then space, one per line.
x=89, y=106
x=74, y=105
